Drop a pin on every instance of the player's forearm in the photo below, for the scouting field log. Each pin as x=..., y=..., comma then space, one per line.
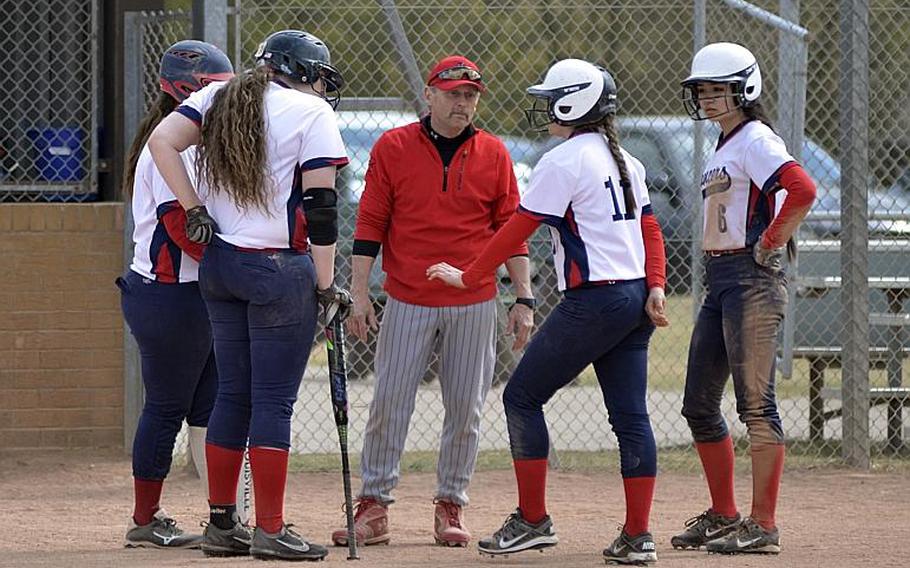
x=519, y=268
x=324, y=259
x=173, y=135
x=800, y=196
x=360, y=274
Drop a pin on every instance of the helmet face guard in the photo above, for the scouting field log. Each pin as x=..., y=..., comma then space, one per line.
x=725, y=63
x=538, y=116
x=692, y=101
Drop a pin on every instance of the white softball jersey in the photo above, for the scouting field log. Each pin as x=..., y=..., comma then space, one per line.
x=155, y=255
x=301, y=134
x=739, y=186
x=575, y=191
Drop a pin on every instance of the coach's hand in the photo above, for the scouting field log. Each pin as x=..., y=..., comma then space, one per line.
x=656, y=307
x=335, y=302
x=200, y=227
x=362, y=319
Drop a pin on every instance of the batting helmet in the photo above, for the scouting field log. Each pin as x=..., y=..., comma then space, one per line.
x=575, y=93
x=189, y=65
x=302, y=57
x=723, y=63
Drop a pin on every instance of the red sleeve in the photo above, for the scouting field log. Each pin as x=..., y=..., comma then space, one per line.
x=655, y=255
x=508, y=201
x=375, y=205
x=173, y=217
x=500, y=248
x=800, y=196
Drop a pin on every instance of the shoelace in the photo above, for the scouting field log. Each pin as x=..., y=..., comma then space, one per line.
x=452, y=513
x=506, y=528
x=170, y=525
x=697, y=519
x=361, y=508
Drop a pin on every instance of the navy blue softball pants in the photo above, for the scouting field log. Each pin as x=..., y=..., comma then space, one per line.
x=263, y=309
x=736, y=333
x=601, y=325
x=171, y=326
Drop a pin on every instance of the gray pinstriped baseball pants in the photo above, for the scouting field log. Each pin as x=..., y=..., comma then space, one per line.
x=468, y=353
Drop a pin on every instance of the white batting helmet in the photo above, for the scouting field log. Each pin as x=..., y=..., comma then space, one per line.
x=723, y=63
x=575, y=93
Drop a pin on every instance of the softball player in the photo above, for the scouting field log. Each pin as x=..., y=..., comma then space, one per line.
x=268, y=146
x=610, y=261
x=737, y=326
x=455, y=188
x=160, y=294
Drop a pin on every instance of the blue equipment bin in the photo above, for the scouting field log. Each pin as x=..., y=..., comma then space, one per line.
x=60, y=153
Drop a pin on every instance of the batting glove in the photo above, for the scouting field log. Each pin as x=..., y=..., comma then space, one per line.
x=200, y=227
x=335, y=302
x=771, y=258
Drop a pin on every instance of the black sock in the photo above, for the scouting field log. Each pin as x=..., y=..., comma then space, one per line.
x=223, y=516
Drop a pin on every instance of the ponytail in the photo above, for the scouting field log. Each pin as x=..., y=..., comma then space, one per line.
x=609, y=130
x=161, y=107
x=231, y=154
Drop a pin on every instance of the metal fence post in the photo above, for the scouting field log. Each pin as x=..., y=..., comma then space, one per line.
x=134, y=103
x=696, y=202
x=854, y=145
x=210, y=22
x=408, y=61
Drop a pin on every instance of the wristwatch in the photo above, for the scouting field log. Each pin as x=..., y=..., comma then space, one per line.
x=530, y=302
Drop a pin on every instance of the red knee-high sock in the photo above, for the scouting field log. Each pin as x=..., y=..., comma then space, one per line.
x=270, y=475
x=532, y=488
x=717, y=460
x=223, y=465
x=639, y=495
x=767, y=468
x=147, y=496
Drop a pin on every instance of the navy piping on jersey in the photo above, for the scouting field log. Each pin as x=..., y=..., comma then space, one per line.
x=646, y=210
x=164, y=253
x=316, y=163
x=759, y=214
x=297, y=227
x=774, y=180
x=576, y=269
x=190, y=113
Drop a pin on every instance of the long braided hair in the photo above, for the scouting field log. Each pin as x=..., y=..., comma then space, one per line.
x=161, y=107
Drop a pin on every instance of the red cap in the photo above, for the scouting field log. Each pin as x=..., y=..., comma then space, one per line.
x=453, y=63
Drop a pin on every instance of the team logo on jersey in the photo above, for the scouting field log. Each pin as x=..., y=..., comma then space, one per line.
x=715, y=180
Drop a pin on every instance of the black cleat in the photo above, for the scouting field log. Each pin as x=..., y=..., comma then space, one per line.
x=162, y=532
x=704, y=528
x=284, y=545
x=517, y=535
x=234, y=541
x=639, y=551
x=750, y=537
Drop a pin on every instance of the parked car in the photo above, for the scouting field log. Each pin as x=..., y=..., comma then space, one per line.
x=360, y=129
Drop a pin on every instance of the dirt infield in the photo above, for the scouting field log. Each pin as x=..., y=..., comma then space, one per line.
x=66, y=510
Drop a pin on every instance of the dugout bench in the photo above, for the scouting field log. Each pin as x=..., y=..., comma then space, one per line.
x=815, y=323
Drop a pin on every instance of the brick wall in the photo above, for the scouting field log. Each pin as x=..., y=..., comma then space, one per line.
x=61, y=331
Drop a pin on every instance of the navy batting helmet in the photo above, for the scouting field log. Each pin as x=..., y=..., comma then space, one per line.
x=189, y=65
x=303, y=58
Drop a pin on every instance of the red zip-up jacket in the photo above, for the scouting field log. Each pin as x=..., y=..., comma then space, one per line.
x=423, y=213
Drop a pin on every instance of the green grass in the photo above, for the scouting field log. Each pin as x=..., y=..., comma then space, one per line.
x=678, y=459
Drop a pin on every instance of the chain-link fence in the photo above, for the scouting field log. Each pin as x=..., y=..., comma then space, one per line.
x=648, y=48
x=49, y=96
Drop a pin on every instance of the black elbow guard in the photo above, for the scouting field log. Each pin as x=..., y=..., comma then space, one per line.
x=321, y=215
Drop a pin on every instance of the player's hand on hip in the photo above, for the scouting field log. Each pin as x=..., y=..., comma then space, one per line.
x=656, y=307
x=447, y=273
x=521, y=323
x=771, y=258
x=200, y=227
x=334, y=302
x=362, y=318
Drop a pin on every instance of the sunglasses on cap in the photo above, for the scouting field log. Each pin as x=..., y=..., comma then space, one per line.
x=460, y=72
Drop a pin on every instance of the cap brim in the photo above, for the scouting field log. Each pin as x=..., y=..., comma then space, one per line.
x=537, y=91
x=448, y=85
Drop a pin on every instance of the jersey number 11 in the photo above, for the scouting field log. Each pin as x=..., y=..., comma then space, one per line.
x=618, y=215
